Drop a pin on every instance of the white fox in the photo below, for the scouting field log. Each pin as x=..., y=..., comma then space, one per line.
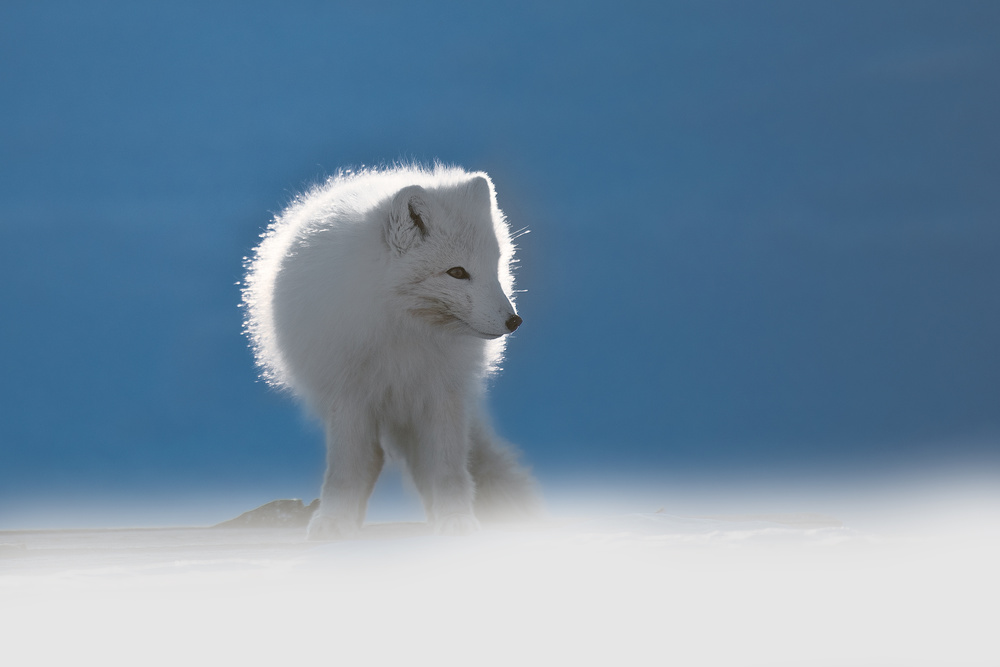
x=382, y=299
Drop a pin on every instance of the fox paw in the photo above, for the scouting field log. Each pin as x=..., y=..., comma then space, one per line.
x=327, y=527
x=456, y=524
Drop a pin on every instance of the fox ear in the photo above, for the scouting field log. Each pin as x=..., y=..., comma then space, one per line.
x=479, y=188
x=408, y=218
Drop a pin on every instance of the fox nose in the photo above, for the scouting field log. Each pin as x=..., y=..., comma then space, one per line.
x=513, y=322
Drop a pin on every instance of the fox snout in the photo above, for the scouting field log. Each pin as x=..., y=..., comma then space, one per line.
x=513, y=322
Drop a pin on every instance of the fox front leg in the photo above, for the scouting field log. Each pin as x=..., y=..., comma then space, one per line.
x=439, y=463
x=354, y=461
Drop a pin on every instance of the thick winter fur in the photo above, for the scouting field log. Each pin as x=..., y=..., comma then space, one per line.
x=383, y=299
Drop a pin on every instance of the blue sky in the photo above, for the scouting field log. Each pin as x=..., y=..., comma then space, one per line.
x=764, y=236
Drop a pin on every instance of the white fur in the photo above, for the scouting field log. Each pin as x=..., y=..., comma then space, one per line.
x=351, y=306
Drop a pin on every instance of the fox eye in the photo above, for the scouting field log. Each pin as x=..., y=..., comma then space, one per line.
x=458, y=272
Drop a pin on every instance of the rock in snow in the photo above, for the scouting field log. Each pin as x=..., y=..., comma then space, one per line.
x=285, y=513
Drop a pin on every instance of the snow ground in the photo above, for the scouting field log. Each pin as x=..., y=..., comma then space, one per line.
x=913, y=586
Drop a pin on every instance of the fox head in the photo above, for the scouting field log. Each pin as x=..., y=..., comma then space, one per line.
x=446, y=259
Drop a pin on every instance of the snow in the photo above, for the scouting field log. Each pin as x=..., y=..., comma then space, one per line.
x=912, y=586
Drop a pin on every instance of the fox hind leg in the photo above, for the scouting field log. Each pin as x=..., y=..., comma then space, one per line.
x=505, y=489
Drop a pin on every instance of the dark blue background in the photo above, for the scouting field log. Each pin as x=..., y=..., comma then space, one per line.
x=765, y=236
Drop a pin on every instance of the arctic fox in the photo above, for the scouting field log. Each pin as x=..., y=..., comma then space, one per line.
x=382, y=299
